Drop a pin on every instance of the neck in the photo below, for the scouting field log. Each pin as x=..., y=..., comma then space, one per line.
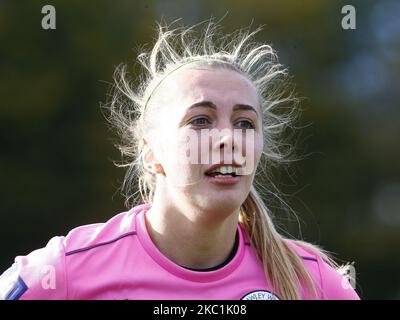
x=190, y=240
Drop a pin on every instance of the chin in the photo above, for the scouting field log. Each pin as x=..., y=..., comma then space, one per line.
x=222, y=203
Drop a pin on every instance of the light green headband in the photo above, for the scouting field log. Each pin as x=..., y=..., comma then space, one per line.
x=182, y=65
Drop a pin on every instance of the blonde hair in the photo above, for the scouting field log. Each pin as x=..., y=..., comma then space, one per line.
x=131, y=114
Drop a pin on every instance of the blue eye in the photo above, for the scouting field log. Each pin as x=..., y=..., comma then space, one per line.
x=247, y=124
x=201, y=121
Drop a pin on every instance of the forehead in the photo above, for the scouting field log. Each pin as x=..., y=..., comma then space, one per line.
x=221, y=86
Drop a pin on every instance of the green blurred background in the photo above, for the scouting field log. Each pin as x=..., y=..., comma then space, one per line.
x=56, y=150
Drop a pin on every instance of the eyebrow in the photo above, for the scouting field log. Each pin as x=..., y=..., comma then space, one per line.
x=209, y=104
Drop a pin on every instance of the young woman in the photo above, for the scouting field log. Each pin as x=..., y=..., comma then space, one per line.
x=198, y=131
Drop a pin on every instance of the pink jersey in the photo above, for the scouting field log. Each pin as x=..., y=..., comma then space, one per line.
x=118, y=260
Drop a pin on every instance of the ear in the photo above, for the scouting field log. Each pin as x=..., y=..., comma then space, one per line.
x=150, y=162
x=158, y=168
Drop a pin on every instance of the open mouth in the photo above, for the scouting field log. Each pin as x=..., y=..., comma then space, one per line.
x=220, y=175
x=223, y=171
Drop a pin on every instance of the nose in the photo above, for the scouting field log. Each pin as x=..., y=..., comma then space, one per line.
x=225, y=146
x=226, y=141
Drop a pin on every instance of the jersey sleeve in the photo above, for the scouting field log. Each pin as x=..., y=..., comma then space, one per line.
x=334, y=285
x=40, y=275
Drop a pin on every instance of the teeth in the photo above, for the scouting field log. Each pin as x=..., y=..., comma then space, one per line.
x=221, y=176
x=226, y=170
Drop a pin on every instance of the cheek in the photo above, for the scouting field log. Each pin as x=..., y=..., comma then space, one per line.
x=165, y=149
x=259, y=146
x=180, y=168
x=252, y=148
